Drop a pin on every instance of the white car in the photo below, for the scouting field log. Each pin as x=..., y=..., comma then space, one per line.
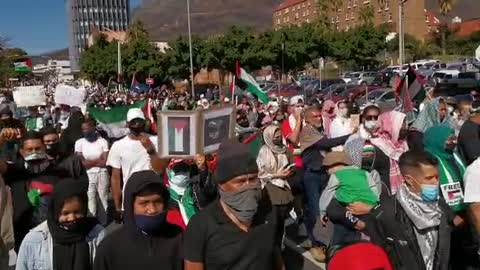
x=444, y=74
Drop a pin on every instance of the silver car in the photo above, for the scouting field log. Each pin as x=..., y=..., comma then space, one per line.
x=384, y=98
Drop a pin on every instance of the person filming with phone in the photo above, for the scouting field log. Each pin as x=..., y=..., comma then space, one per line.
x=274, y=170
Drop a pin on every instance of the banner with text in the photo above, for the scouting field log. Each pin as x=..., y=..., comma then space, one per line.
x=69, y=95
x=26, y=96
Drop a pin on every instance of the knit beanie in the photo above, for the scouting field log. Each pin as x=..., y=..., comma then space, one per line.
x=234, y=160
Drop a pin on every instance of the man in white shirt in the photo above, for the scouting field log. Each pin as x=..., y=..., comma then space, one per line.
x=93, y=150
x=135, y=152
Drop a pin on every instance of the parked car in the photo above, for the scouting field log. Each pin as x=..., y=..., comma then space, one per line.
x=441, y=75
x=428, y=69
x=383, y=79
x=350, y=77
x=384, y=97
x=366, y=78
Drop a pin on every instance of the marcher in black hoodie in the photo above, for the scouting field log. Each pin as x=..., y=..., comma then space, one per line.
x=147, y=240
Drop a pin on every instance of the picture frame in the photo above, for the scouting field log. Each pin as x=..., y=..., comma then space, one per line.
x=217, y=124
x=178, y=133
x=183, y=134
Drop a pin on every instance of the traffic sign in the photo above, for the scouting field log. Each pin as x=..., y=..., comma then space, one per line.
x=149, y=81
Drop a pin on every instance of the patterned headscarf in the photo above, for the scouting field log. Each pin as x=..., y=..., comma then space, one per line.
x=268, y=134
x=430, y=117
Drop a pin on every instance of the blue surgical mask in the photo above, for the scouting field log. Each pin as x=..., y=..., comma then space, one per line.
x=150, y=224
x=429, y=193
x=180, y=179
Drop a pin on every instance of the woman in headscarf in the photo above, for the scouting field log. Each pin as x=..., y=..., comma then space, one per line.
x=434, y=113
x=341, y=125
x=68, y=239
x=440, y=141
x=73, y=132
x=391, y=140
x=273, y=162
x=328, y=114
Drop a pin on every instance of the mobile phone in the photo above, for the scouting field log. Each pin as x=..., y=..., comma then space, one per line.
x=289, y=166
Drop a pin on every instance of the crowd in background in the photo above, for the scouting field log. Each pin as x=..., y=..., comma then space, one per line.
x=397, y=192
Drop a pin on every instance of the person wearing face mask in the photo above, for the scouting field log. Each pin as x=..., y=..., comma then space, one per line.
x=32, y=180
x=68, y=239
x=461, y=115
x=237, y=231
x=341, y=125
x=414, y=225
x=391, y=140
x=182, y=207
x=275, y=171
x=312, y=144
x=440, y=141
x=135, y=152
x=93, y=151
x=147, y=240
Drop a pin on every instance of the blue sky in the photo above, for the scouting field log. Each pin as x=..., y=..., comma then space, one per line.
x=37, y=26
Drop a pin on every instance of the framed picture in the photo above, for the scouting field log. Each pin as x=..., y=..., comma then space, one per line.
x=178, y=134
x=217, y=124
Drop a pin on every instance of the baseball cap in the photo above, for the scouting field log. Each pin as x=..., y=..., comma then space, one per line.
x=295, y=100
x=336, y=157
x=135, y=113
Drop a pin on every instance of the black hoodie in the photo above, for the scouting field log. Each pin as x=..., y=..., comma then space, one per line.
x=129, y=248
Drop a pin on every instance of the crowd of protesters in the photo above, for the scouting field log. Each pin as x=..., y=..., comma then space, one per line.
x=399, y=192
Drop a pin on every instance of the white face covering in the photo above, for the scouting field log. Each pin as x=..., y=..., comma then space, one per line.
x=371, y=125
x=343, y=112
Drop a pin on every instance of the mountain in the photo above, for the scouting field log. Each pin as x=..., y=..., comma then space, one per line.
x=167, y=19
x=465, y=9
x=61, y=54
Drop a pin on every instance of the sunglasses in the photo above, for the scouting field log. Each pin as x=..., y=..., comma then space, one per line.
x=371, y=117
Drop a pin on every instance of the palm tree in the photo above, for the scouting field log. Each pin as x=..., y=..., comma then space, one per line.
x=445, y=7
x=366, y=15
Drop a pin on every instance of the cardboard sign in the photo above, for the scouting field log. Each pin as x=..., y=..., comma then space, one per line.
x=69, y=95
x=27, y=96
x=355, y=121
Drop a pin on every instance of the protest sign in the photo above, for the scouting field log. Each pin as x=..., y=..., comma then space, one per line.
x=26, y=96
x=69, y=95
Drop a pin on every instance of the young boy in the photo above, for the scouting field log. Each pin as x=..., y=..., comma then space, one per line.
x=348, y=184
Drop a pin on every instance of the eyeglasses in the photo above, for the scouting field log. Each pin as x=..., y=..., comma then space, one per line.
x=371, y=117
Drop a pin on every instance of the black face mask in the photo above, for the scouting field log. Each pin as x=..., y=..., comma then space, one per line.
x=137, y=126
x=52, y=149
x=90, y=136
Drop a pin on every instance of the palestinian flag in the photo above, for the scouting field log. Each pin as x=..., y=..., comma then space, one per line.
x=114, y=121
x=250, y=85
x=23, y=65
x=414, y=91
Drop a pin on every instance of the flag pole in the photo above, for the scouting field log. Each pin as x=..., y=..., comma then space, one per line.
x=233, y=89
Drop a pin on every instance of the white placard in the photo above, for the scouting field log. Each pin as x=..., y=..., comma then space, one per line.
x=69, y=95
x=26, y=96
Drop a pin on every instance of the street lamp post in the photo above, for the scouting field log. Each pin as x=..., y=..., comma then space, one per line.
x=190, y=48
x=119, y=58
x=401, y=36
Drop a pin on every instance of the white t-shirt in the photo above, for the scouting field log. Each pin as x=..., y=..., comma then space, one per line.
x=471, y=180
x=130, y=156
x=92, y=151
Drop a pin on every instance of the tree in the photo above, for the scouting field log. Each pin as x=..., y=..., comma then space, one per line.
x=415, y=49
x=140, y=58
x=366, y=15
x=98, y=63
x=7, y=58
x=445, y=7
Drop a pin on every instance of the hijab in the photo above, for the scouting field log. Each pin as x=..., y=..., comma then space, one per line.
x=430, y=117
x=70, y=248
x=268, y=134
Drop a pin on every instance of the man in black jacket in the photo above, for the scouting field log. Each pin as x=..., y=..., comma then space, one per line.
x=147, y=240
x=413, y=226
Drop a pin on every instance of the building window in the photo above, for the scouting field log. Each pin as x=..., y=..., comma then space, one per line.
x=286, y=10
x=387, y=4
x=303, y=14
x=354, y=3
x=308, y=20
x=333, y=20
x=390, y=18
x=352, y=16
x=366, y=2
x=338, y=20
x=297, y=16
x=308, y=3
x=427, y=19
x=346, y=16
x=349, y=4
x=298, y=7
x=303, y=4
x=308, y=12
x=278, y=21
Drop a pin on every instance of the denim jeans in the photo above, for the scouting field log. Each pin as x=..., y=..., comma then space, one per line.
x=314, y=184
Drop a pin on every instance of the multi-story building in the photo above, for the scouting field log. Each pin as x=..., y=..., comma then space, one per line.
x=58, y=68
x=84, y=16
x=348, y=14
